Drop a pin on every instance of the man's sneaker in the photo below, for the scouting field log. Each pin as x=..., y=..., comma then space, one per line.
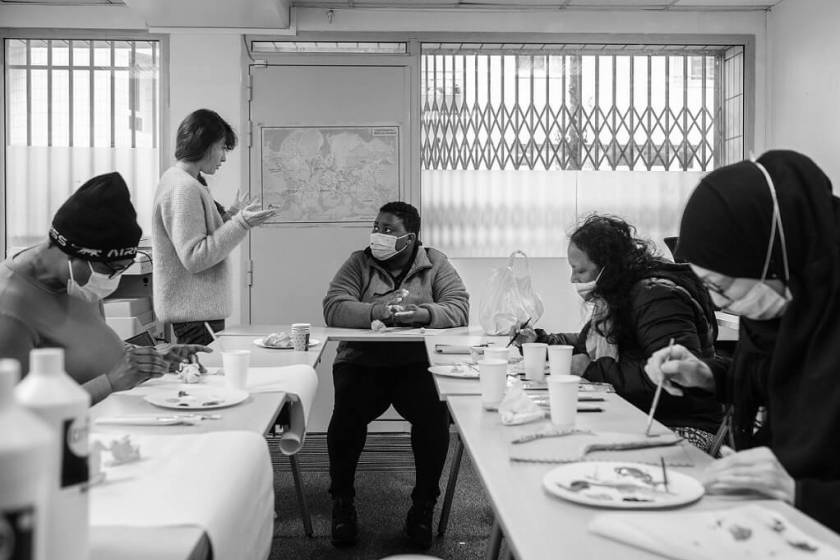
x=418, y=523
x=345, y=528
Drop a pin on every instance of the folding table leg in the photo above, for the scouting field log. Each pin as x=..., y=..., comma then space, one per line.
x=304, y=509
x=454, y=469
x=494, y=542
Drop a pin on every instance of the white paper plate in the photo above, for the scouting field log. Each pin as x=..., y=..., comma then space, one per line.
x=641, y=485
x=462, y=371
x=259, y=342
x=195, y=397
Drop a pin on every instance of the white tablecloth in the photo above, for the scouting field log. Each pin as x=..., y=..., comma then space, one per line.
x=221, y=482
x=300, y=383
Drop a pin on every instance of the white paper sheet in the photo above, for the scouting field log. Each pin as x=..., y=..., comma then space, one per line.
x=221, y=482
x=300, y=383
x=746, y=532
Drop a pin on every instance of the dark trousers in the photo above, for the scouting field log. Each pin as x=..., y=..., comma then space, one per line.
x=361, y=395
x=194, y=332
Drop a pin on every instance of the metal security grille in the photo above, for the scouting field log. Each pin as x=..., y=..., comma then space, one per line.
x=82, y=92
x=571, y=107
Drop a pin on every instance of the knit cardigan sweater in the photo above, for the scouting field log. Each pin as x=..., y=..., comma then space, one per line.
x=191, y=242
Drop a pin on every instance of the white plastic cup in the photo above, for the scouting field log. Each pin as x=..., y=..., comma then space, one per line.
x=235, y=365
x=534, y=355
x=560, y=359
x=299, y=334
x=562, y=399
x=496, y=353
x=492, y=376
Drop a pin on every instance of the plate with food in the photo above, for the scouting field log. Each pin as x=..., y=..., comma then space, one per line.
x=622, y=485
x=464, y=371
x=280, y=341
x=195, y=397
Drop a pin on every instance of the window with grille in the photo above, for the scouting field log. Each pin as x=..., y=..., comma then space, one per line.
x=74, y=109
x=558, y=131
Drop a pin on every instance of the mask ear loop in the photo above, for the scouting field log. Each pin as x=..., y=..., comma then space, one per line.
x=777, y=217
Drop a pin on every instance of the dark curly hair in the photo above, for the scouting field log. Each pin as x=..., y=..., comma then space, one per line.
x=611, y=243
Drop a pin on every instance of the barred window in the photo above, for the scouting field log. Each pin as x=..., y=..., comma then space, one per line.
x=526, y=122
x=77, y=108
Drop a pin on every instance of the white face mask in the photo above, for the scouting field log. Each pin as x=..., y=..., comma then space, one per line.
x=98, y=287
x=762, y=302
x=384, y=246
x=584, y=289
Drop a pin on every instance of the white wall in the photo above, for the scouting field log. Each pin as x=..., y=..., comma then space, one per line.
x=205, y=70
x=213, y=81
x=804, y=84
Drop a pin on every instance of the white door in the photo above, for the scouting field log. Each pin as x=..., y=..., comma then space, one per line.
x=292, y=263
x=344, y=108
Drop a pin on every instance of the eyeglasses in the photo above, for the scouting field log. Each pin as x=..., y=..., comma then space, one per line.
x=115, y=270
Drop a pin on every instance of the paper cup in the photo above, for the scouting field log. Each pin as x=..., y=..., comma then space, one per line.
x=299, y=334
x=492, y=376
x=534, y=357
x=560, y=359
x=496, y=353
x=562, y=399
x=235, y=366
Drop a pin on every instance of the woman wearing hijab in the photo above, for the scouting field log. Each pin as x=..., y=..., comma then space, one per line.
x=640, y=302
x=764, y=237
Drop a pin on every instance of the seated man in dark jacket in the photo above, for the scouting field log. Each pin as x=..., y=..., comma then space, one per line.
x=399, y=282
x=639, y=303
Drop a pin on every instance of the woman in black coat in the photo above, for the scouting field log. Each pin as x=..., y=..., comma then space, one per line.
x=639, y=303
x=764, y=237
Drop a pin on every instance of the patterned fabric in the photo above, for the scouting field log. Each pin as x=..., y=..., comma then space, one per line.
x=700, y=439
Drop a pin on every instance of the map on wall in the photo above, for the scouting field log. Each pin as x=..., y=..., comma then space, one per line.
x=329, y=174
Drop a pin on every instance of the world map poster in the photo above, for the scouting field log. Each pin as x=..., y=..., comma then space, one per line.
x=329, y=174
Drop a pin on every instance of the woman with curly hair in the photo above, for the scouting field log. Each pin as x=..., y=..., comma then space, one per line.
x=639, y=303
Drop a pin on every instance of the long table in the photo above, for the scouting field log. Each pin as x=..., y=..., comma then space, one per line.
x=538, y=526
x=257, y=414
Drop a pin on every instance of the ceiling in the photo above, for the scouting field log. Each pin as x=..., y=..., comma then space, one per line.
x=494, y=4
x=547, y=4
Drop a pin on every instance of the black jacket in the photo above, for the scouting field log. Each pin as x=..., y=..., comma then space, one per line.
x=661, y=311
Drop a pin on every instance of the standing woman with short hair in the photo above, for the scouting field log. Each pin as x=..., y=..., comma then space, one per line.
x=192, y=234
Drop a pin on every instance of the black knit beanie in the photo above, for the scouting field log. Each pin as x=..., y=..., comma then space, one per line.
x=98, y=221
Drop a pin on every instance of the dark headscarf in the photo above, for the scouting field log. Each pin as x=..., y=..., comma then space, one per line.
x=791, y=364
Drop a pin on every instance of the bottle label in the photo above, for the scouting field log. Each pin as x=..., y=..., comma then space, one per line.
x=17, y=534
x=74, y=455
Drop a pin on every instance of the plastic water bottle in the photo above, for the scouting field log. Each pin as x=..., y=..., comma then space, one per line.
x=26, y=443
x=55, y=397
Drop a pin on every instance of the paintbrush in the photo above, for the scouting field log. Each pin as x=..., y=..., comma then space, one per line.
x=657, y=393
x=517, y=331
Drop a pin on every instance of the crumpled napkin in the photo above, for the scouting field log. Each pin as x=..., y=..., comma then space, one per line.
x=517, y=407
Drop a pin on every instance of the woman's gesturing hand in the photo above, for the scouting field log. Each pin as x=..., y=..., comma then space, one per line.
x=254, y=215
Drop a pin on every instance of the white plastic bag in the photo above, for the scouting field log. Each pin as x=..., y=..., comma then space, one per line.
x=509, y=299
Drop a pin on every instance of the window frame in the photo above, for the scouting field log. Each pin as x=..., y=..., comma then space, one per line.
x=415, y=39
x=81, y=34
